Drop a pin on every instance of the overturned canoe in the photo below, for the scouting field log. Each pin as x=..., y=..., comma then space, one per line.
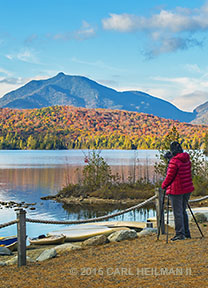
x=137, y=226
x=85, y=231
x=47, y=240
x=9, y=242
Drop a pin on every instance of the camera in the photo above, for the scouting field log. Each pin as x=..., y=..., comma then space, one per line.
x=168, y=155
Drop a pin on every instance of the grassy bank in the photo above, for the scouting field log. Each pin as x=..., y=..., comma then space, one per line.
x=119, y=191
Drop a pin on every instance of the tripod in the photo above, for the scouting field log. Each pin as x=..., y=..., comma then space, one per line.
x=162, y=213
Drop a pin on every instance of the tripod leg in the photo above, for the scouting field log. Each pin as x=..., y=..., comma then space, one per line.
x=167, y=219
x=195, y=220
x=161, y=216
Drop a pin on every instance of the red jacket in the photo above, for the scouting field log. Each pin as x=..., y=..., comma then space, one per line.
x=178, y=179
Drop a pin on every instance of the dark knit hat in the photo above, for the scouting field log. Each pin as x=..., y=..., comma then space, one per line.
x=175, y=148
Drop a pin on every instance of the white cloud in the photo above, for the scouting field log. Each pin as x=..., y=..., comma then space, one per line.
x=25, y=55
x=123, y=22
x=168, y=30
x=86, y=31
x=192, y=100
x=185, y=84
x=12, y=81
x=167, y=20
x=61, y=36
x=5, y=72
x=179, y=20
x=8, y=56
x=193, y=68
x=186, y=93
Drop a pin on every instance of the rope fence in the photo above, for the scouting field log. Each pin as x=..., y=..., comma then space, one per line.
x=93, y=219
x=199, y=199
x=8, y=224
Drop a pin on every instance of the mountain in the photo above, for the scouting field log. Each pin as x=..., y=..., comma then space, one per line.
x=201, y=114
x=80, y=91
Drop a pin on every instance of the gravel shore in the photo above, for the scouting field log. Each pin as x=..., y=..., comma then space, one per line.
x=142, y=262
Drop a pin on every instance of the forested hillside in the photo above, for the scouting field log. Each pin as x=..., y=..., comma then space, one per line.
x=67, y=127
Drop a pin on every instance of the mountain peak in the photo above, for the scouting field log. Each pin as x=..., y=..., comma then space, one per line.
x=60, y=74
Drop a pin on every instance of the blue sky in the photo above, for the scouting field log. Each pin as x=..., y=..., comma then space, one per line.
x=159, y=47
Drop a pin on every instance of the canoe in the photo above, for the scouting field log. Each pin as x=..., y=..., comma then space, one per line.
x=9, y=242
x=85, y=231
x=137, y=226
x=47, y=240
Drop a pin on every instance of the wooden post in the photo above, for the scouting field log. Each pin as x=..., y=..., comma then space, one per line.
x=21, y=237
x=159, y=203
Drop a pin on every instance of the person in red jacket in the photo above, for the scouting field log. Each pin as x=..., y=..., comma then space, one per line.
x=178, y=184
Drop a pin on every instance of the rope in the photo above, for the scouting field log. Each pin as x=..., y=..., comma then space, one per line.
x=8, y=224
x=195, y=200
x=199, y=199
x=92, y=219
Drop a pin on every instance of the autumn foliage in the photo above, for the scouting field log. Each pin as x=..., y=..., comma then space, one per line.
x=66, y=127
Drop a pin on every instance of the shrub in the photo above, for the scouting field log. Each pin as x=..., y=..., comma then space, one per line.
x=97, y=172
x=200, y=185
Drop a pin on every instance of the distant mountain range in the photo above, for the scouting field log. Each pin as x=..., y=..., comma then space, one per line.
x=80, y=91
x=201, y=114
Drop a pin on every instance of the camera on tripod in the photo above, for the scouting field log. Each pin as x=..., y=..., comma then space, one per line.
x=168, y=155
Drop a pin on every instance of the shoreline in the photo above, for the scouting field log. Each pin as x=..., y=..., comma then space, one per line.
x=101, y=201
x=91, y=200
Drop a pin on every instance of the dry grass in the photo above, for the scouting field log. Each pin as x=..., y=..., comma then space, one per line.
x=134, y=263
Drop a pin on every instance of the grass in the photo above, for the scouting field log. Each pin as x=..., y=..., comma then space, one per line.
x=118, y=191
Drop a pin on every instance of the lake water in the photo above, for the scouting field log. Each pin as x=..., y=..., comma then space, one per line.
x=28, y=175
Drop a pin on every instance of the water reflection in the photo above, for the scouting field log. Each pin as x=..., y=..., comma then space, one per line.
x=46, y=178
x=92, y=211
x=55, y=178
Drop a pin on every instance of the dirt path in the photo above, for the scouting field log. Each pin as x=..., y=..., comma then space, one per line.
x=139, y=263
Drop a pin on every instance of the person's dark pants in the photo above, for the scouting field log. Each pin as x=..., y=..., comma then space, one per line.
x=179, y=205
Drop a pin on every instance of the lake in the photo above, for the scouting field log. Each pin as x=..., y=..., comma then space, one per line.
x=28, y=175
